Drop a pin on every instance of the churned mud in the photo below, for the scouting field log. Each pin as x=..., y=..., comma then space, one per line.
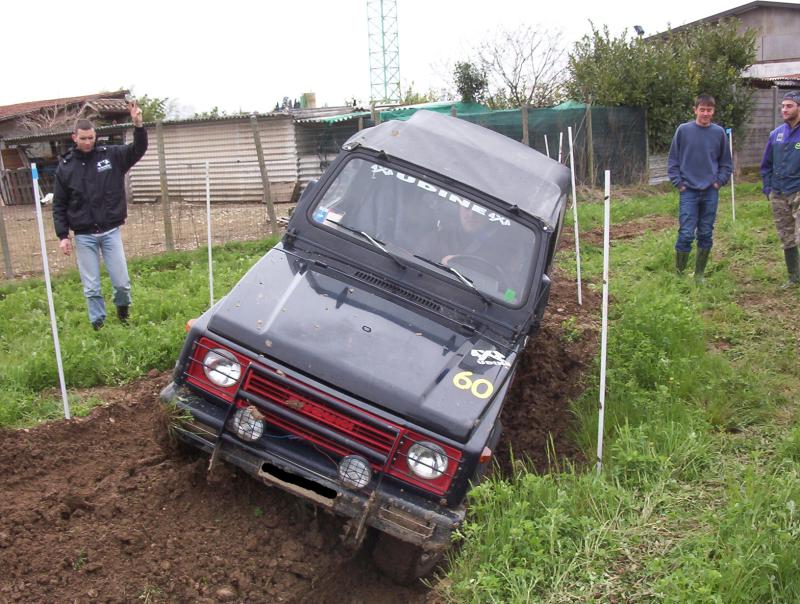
x=98, y=509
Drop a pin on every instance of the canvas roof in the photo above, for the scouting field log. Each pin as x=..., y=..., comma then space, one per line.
x=475, y=156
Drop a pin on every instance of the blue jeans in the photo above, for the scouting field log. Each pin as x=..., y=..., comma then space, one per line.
x=698, y=210
x=88, y=249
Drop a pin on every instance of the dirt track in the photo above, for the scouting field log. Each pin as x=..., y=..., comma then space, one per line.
x=96, y=510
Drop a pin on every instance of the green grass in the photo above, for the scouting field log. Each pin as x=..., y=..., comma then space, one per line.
x=698, y=497
x=167, y=291
x=699, y=493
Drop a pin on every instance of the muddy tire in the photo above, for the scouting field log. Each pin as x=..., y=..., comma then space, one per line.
x=403, y=562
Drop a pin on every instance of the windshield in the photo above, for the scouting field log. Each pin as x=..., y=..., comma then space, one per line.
x=420, y=221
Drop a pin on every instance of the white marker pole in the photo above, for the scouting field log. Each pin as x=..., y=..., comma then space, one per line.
x=546, y=146
x=560, y=145
x=208, y=231
x=575, y=217
x=733, y=187
x=49, y=287
x=604, y=329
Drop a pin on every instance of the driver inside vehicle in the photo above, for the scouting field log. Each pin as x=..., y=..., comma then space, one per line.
x=478, y=248
x=468, y=240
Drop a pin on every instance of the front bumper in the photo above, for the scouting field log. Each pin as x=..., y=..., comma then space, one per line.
x=301, y=469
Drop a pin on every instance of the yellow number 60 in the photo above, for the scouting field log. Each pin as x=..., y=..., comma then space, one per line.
x=480, y=388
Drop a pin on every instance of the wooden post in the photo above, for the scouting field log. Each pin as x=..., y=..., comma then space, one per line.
x=9, y=270
x=590, y=142
x=273, y=221
x=376, y=115
x=453, y=111
x=162, y=169
x=360, y=124
x=776, y=107
x=127, y=179
x=525, y=138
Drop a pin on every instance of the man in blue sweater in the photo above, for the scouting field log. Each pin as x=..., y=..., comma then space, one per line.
x=699, y=164
x=780, y=176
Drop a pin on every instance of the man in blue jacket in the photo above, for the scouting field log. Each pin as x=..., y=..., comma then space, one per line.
x=89, y=199
x=699, y=164
x=780, y=177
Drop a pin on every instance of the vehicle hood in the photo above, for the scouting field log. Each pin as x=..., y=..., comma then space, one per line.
x=363, y=343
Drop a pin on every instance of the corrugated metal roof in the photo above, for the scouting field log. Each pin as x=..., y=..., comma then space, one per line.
x=115, y=128
x=401, y=112
x=106, y=105
x=790, y=77
x=333, y=119
x=8, y=112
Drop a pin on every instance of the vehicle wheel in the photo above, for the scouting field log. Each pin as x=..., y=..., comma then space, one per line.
x=403, y=562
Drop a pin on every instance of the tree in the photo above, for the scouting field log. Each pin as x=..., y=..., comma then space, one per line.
x=471, y=82
x=524, y=66
x=412, y=97
x=157, y=108
x=665, y=74
x=213, y=113
x=56, y=117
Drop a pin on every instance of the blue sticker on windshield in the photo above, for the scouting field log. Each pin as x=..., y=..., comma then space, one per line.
x=320, y=214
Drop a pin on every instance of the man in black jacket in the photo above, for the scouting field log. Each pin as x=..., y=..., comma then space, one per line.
x=89, y=198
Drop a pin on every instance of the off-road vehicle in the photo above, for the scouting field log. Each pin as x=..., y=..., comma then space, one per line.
x=362, y=363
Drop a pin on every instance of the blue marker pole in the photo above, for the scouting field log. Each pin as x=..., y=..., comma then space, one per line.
x=729, y=131
x=49, y=287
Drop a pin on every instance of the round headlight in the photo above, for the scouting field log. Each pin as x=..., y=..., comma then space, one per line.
x=246, y=426
x=427, y=460
x=354, y=471
x=221, y=367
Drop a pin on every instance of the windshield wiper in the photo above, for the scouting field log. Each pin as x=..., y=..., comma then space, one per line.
x=375, y=242
x=449, y=269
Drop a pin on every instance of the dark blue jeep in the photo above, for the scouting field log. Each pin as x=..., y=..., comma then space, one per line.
x=362, y=363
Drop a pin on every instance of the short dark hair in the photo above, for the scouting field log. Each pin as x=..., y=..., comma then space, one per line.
x=705, y=99
x=83, y=124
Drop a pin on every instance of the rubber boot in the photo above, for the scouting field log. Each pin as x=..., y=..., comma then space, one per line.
x=700, y=265
x=681, y=260
x=792, y=266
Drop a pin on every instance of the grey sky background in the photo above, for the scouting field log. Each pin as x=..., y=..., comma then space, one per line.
x=242, y=55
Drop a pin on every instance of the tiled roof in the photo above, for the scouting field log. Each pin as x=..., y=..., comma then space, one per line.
x=11, y=111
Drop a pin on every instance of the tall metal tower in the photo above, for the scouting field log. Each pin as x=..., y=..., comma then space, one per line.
x=384, y=51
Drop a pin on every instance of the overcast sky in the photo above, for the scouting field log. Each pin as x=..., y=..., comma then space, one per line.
x=241, y=55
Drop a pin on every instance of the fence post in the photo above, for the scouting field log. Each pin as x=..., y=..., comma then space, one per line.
x=453, y=111
x=590, y=142
x=525, y=137
x=162, y=169
x=264, y=176
x=776, y=108
x=9, y=270
x=360, y=124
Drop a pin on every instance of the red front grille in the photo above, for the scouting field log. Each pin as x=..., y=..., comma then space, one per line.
x=330, y=423
x=381, y=437
x=298, y=400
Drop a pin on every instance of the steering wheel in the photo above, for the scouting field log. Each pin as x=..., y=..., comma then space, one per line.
x=479, y=265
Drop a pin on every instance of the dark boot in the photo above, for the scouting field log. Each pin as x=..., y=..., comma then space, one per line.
x=97, y=325
x=792, y=258
x=123, y=312
x=681, y=260
x=700, y=265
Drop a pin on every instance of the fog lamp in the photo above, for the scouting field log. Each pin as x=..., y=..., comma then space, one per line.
x=427, y=460
x=354, y=471
x=246, y=426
